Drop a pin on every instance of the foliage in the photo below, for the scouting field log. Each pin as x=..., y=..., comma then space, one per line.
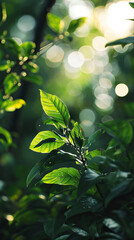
x=77, y=190
x=96, y=187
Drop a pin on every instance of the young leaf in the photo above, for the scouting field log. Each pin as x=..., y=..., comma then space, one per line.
x=52, y=122
x=55, y=23
x=63, y=176
x=46, y=141
x=12, y=105
x=76, y=135
x=31, y=66
x=122, y=41
x=11, y=83
x=74, y=24
x=55, y=108
x=27, y=48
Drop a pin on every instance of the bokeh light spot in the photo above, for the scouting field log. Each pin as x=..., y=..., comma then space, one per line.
x=75, y=59
x=99, y=43
x=87, y=116
x=26, y=23
x=55, y=54
x=121, y=90
x=104, y=102
x=80, y=9
x=9, y=217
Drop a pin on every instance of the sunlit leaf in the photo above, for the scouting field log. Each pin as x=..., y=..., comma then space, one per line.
x=5, y=65
x=6, y=134
x=74, y=24
x=51, y=162
x=12, y=105
x=63, y=176
x=3, y=13
x=122, y=41
x=55, y=22
x=27, y=48
x=31, y=66
x=11, y=83
x=76, y=135
x=55, y=108
x=46, y=141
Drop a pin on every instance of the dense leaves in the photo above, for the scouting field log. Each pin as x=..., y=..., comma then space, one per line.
x=80, y=188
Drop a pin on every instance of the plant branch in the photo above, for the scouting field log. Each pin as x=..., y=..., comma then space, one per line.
x=42, y=22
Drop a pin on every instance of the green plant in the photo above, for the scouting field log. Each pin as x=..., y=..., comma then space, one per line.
x=92, y=188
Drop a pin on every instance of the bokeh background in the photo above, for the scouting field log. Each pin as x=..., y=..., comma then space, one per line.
x=95, y=82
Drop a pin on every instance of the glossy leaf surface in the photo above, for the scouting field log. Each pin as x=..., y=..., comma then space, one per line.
x=55, y=108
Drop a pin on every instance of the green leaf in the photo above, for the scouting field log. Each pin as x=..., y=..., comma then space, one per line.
x=121, y=189
x=5, y=65
x=12, y=49
x=33, y=78
x=51, y=162
x=131, y=4
x=86, y=204
x=52, y=122
x=55, y=108
x=11, y=83
x=31, y=66
x=74, y=24
x=119, y=129
x=88, y=179
x=94, y=137
x=93, y=153
x=55, y=23
x=12, y=105
x=3, y=13
x=63, y=176
x=27, y=48
x=46, y=141
x=122, y=41
x=76, y=135
x=102, y=164
x=6, y=135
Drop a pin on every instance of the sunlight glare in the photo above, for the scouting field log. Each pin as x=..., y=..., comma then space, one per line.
x=80, y=9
